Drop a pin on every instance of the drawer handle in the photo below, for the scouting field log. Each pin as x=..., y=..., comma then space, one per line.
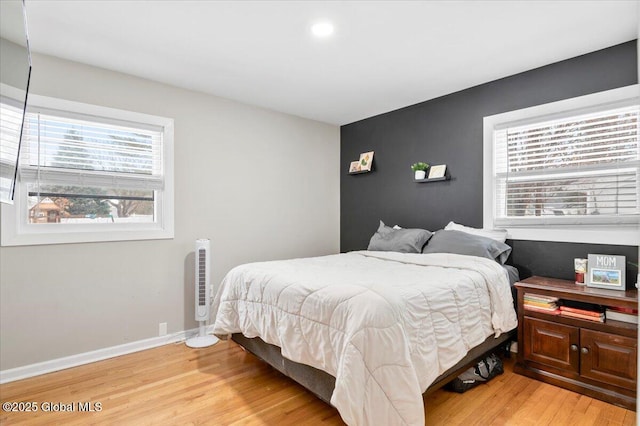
x=585, y=350
x=574, y=348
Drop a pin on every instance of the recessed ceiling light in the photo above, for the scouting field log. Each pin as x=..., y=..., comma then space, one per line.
x=322, y=29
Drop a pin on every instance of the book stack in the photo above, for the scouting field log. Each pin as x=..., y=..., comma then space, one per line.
x=582, y=311
x=540, y=303
x=622, y=314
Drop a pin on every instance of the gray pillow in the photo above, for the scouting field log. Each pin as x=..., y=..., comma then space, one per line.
x=400, y=240
x=459, y=242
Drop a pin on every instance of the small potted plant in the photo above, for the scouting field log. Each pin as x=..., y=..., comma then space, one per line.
x=420, y=170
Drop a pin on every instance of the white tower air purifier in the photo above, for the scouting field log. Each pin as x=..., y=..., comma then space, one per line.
x=202, y=296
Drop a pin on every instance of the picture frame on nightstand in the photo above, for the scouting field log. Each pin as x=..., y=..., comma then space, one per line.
x=606, y=271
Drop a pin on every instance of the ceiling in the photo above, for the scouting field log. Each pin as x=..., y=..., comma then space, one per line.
x=383, y=55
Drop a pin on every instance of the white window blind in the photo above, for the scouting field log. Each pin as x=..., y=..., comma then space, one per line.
x=10, y=122
x=59, y=149
x=580, y=169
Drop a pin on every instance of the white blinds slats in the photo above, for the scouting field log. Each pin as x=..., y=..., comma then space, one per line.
x=55, y=176
x=60, y=150
x=10, y=121
x=10, y=124
x=577, y=169
x=542, y=144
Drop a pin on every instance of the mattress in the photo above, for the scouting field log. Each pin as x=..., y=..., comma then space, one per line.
x=385, y=325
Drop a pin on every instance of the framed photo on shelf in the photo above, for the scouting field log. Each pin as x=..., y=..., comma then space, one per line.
x=437, y=171
x=366, y=160
x=354, y=167
x=606, y=271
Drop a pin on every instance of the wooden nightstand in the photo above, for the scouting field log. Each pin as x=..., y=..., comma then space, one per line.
x=592, y=358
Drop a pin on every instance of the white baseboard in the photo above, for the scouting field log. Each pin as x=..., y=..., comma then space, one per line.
x=44, y=367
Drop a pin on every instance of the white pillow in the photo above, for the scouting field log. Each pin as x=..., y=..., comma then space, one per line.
x=496, y=234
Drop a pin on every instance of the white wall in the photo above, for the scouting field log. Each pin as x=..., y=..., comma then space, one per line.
x=14, y=64
x=260, y=184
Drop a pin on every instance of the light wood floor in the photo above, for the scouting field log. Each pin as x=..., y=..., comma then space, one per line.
x=223, y=385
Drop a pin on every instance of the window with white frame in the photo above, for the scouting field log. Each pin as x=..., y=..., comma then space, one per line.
x=569, y=165
x=89, y=173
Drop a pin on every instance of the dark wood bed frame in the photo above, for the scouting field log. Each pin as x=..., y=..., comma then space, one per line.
x=322, y=384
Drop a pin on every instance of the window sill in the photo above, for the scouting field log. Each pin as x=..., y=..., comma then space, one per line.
x=65, y=235
x=619, y=235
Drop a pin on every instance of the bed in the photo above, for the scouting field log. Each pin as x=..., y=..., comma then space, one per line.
x=369, y=331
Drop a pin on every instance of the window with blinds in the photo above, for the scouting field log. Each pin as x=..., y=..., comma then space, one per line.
x=90, y=173
x=81, y=171
x=581, y=169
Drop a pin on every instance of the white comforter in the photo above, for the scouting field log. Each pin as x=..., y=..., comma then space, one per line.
x=386, y=325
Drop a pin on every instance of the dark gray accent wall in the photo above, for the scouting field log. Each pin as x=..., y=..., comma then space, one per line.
x=554, y=259
x=448, y=130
